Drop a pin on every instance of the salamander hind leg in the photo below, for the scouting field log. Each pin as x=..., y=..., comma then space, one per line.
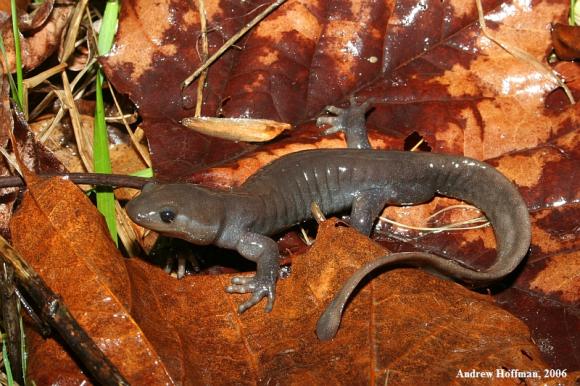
x=366, y=207
x=350, y=121
x=264, y=251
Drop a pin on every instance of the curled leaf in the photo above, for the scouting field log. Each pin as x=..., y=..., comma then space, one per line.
x=237, y=129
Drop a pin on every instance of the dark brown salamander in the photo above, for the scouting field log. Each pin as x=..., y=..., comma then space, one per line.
x=279, y=196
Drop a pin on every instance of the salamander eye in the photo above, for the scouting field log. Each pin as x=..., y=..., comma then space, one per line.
x=167, y=216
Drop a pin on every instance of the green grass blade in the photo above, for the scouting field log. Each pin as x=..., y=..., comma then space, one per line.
x=7, y=368
x=102, y=160
x=13, y=87
x=19, y=97
x=145, y=173
x=23, y=349
x=108, y=27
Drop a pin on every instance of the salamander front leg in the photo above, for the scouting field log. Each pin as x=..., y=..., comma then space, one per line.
x=264, y=251
x=351, y=121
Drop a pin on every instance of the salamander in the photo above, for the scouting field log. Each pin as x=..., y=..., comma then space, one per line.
x=280, y=194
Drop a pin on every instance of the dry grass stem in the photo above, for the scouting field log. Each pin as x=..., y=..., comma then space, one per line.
x=84, y=142
x=73, y=30
x=143, y=153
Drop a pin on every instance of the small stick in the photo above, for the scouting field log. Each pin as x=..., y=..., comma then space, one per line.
x=204, y=55
x=11, y=323
x=231, y=42
x=117, y=180
x=417, y=145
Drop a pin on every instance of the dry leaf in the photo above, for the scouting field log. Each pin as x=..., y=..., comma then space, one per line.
x=237, y=129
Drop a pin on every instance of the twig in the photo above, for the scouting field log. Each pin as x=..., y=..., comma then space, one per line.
x=60, y=319
x=231, y=42
x=117, y=180
x=81, y=136
x=448, y=227
x=11, y=323
x=38, y=79
x=73, y=29
x=317, y=213
x=204, y=55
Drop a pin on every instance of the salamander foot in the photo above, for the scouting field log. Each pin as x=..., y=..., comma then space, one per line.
x=260, y=288
x=350, y=121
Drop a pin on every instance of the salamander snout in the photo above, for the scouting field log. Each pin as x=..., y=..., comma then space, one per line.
x=133, y=211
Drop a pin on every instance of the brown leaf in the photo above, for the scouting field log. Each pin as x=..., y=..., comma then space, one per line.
x=546, y=294
x=460, y=103
x=71, y=250
x=439, y=76
x=35, y=19
x=149, y=61
x=401, y=327
x=566, y=40
x=431, y=72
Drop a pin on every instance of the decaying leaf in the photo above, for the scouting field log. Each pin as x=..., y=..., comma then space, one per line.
x=237, y=129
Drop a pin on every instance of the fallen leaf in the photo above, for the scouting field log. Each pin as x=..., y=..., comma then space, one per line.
x=546, y=293
x=20, y=5
x=403, y=327
x=72, y=252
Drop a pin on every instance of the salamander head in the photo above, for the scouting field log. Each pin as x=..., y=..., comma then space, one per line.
x=185, y=211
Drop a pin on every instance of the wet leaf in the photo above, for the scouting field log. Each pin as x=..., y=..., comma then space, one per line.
x=20, y=5
x=72, y=252
x=397, y=328
x=546, y=294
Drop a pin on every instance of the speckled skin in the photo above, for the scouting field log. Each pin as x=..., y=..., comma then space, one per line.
x=279, y=196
